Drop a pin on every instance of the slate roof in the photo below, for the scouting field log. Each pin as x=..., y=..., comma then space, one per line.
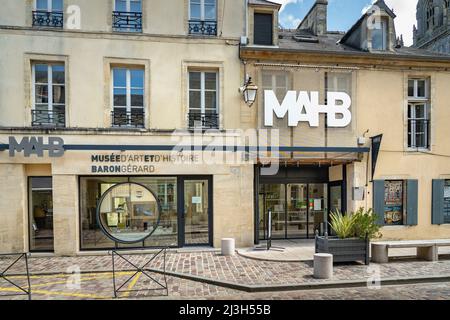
x=330, y=42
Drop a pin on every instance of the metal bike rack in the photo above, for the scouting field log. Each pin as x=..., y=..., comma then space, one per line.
x=3, y=276
x=139, y=270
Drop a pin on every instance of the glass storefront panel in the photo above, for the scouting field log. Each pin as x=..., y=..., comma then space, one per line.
x=297, y=206
x=274, y=199
x=92, y=189
x=196, y=212
x=318, y=208
x=41, y=214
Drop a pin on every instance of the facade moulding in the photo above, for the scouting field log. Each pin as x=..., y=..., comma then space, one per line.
x=117, y=36
x=360, y=60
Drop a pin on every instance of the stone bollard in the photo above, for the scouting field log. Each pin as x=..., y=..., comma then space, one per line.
x=323, y=266
x=228, y=247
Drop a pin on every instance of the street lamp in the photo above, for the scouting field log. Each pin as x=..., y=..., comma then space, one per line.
x=249, y=90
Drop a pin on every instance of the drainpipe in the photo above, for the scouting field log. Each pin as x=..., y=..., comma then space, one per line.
x=246, y=19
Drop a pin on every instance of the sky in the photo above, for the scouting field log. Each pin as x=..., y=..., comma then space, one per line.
x=342, y=14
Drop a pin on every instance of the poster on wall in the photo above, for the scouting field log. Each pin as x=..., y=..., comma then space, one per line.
x=393, y=202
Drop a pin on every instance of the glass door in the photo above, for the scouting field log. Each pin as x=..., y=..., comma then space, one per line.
x=41, y=214
x=273, y=198
x=197, y=212
x=297, y=210
x=318, y=208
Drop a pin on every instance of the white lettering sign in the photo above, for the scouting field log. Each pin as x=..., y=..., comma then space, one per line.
x=306, y=108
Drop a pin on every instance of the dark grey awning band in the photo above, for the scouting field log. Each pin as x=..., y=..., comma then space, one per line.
x=76, y=147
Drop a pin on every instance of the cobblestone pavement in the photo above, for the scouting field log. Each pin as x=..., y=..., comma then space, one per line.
x=99, y=286
x=210, y=265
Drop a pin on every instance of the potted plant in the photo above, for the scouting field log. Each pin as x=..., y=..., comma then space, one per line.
x=353, y=233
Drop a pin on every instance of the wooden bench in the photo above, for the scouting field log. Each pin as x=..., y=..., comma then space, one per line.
x=426, y=249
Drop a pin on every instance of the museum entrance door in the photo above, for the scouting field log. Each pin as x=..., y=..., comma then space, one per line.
x=197, y=212
x=298, y=210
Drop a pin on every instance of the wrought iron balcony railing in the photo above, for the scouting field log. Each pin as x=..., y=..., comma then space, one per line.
x=133, y=119
x=208, y=28
x=127, y=21
x=53, y=19
x=47, y=118
x=203, y=120
x=418, y=134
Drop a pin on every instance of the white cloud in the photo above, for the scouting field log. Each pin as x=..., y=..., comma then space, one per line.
x=285, y=2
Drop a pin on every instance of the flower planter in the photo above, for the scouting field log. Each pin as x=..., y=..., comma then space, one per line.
x=344, y=250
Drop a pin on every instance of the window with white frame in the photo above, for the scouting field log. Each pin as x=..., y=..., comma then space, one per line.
x=128, y=97
x=48, y=13
x=203, y=99
x=279, y=82
x=49, y=94
x=418, y=114
x=49, y=5
x=127, y=15
x=203, y=17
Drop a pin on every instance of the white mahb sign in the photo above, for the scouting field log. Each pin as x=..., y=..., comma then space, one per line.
x=304, y=107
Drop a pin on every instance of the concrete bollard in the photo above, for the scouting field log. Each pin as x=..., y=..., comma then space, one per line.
x=323, y=266
x=228, y=247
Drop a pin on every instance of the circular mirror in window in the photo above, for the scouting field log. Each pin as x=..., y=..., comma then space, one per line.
x=128, y=213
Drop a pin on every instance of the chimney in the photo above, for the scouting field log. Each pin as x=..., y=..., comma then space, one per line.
x=316, y=20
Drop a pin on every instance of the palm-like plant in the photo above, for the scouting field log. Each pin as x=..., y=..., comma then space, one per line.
x=343, y=225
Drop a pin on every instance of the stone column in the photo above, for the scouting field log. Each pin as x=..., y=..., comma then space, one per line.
x=13, y=210
x=65, y=214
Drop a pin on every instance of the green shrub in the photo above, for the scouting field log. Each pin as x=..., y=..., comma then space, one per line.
x=342, y=225
x=359, y=224
x=365, y=224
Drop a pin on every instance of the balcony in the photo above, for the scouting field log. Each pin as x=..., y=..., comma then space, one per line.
x=199, y=27
x=47, y=118
x=418, y=134
x=53, y=19
x=203, y=120
x=128, y=119
x=127, y=21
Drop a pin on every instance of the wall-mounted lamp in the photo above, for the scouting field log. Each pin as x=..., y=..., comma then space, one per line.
x=249, y=90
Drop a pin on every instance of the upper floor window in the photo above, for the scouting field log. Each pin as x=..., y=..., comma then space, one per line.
x=203, y=99
x=127, y=15
x=48, y=13
x=279, y=82
x=128, y=97
x=379, y=36
x=418, y=114
x=49, y=98
x=263, y=29
x=203, y=17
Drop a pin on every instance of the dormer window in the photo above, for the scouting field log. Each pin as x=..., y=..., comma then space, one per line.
x=379, y=36
x=263, y=29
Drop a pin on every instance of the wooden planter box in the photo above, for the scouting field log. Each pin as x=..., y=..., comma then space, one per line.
x=344, y=250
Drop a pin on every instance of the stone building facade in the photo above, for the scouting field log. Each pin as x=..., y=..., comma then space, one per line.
x=433, y=26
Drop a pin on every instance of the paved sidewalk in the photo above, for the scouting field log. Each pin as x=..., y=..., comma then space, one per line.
x=50, y=274
x=237, y=269
x=303, y=250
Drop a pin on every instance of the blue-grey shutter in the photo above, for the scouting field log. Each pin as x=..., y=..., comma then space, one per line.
x=412, y=196
x=438, y=202
x=378, y=200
